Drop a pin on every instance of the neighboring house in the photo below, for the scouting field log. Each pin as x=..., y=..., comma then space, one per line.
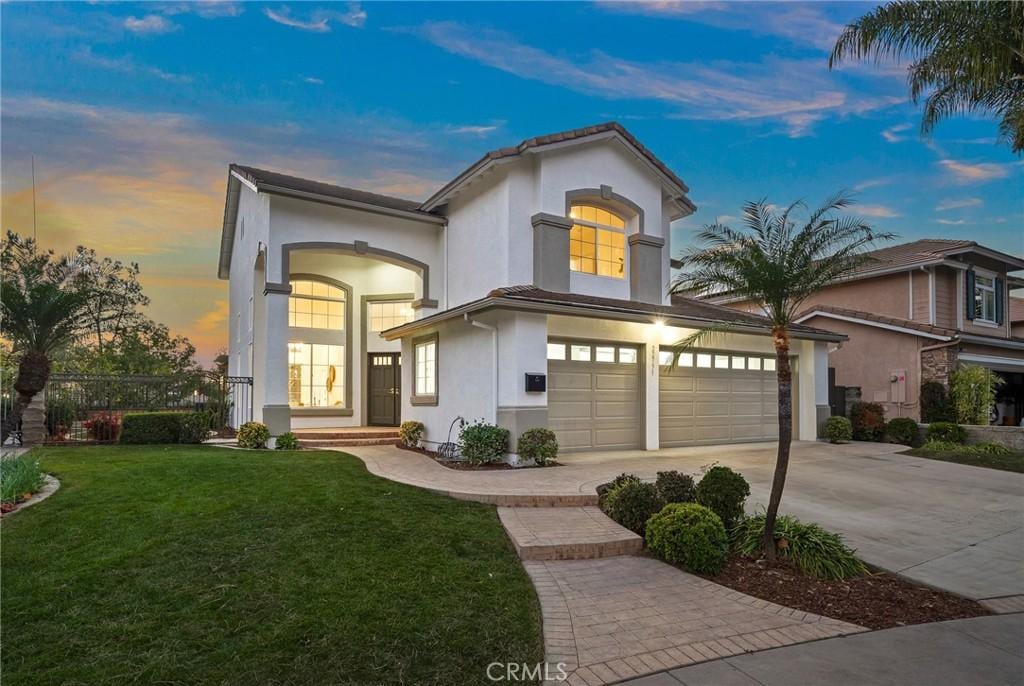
x=1016, y=317
x=529, y=291
x=914, y=313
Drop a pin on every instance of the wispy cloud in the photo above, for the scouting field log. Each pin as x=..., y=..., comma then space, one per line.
x=955, y=204
x=892, y=134
x=127, y=65
x=964, y=172
x=150, y=24
x=796, y=92
x=207, y=9
x=313, y=80
x=319, y=20
x=873, y=183
x=880, y=211
x=473, y=130
x=950, y=222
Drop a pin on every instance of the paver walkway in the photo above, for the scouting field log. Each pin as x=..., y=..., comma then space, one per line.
x=616, y=618
x=981, y=651
x=566, y=533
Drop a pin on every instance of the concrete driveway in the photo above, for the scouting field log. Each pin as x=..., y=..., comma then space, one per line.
x=947, y=525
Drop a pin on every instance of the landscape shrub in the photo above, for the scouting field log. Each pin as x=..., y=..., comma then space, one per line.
x=150, y=427
x=632, y=503
x=868, y=421
x=973, y=392
x=813, y=550
x=253, y=435
x=19, y=476
x=481, y=443
x=411, y=433
x=538, y=444
x=104, y=426
x=946, y=431
x=193, y=427
x=724, y=492
x=902, y=430
x=604, y=489
x=287, y=441
x=60, y=415
x=935, y=404
x=674, y=487
x=978, y=449
x=690, y=535
x=838, y=430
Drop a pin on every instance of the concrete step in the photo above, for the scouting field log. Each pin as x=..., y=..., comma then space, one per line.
x=346, y=442
x=566, y=533
x=362, y=432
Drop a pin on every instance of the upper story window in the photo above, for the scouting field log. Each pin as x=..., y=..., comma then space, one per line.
x=597, y=242
x=316, y=305
x=388, y=314
x=985, y=298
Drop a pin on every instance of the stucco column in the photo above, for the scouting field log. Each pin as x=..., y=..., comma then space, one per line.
x=651, y=390
x=276, y=413
x=821, y=407
x=645, y=284
x=551, y=252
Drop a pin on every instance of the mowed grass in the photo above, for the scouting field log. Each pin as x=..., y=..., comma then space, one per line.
x=1011, y=461
x=202, y=565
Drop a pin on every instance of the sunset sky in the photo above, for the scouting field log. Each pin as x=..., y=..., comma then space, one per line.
x=133, y=112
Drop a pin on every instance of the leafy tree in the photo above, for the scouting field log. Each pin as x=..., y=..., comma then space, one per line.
x=973, y=391
x=115, y=299
x=778, y=266
x=965, y=57
x=42, y=298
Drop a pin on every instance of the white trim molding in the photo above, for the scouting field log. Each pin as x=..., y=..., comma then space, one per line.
x=868, y=322
x=992, y=360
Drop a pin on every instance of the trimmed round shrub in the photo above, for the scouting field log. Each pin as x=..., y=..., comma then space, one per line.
x=838, y=430
x=287, y=441
x=481, y=443
x=935, y=403
x=690, y=535
x=902, y=430
x=813, y=550
x=674, y=487
x=947, y=432
x=632, y=503
x=411, y=433
x=538, y=444
x=604, y=489
x=724, y=492
x=868, y=421
x=253, y=435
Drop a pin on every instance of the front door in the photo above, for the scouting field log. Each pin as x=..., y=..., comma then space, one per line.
x=384, y=389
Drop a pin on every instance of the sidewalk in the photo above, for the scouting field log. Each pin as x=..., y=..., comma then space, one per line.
x=981, y=651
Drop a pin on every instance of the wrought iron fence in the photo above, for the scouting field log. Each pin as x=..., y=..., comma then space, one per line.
x=87, y=408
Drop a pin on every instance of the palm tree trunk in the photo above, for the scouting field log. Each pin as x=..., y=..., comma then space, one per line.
x=785, y=378
x=33, y=373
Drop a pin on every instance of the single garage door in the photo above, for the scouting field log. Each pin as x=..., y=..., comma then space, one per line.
x=717, y=397
x=594, y=400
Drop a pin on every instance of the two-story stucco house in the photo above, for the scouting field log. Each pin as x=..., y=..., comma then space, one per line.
x=531, y=290
x=914, y=313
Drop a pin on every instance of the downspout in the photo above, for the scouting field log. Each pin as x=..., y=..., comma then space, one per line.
x=494, y=358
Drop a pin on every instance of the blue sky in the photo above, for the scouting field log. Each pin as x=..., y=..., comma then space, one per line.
x=133, y=112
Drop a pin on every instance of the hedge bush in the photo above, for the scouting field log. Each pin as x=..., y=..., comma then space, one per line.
x=935, y=403
x=948, y=432
x=156, y=427
x=480, y=443
x=690, y=535
x=604, y=489
x=903, y=430
x=538, y=444
x=674, y=487
x=813, y=550
x=194, y=427
x=838, y=430
x=978, y=449
x=411, y=433
x=286, y=441
x=868, y=421
x=253, y=435
x=724, y=492
x=632, y=503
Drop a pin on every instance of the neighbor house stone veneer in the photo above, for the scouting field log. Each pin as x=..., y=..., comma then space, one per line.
x=937, y=364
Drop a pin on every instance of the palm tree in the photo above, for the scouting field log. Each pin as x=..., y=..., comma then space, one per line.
x=777, y=266
x=42, y=300
x=967, y=57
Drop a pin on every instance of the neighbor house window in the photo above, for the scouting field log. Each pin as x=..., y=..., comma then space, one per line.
x=316, y=305
x=597, y=242
x=387, y=315
x=316, y=375
x=425, y=370
x=985, y=298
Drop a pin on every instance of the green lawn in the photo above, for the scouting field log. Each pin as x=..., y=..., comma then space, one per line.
x=202, y=565
x=1009, y=462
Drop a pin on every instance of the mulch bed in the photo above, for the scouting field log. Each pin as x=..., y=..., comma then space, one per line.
x=877, y=601
x=464, y=466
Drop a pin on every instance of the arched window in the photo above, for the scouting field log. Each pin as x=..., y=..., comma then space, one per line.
x=316, y=305
x=597, y=242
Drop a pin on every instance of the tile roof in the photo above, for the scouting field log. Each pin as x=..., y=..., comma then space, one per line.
x=881, y=319
x=923, y=251
x=264, y=177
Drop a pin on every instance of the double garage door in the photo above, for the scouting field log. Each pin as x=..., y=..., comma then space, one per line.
x=595, y=397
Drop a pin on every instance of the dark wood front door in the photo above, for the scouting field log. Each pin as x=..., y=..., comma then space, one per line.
x=384, y=389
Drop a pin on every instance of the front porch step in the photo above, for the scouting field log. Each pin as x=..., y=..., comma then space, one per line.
x=337, y=434
x=347, y=441
x=566, y=533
